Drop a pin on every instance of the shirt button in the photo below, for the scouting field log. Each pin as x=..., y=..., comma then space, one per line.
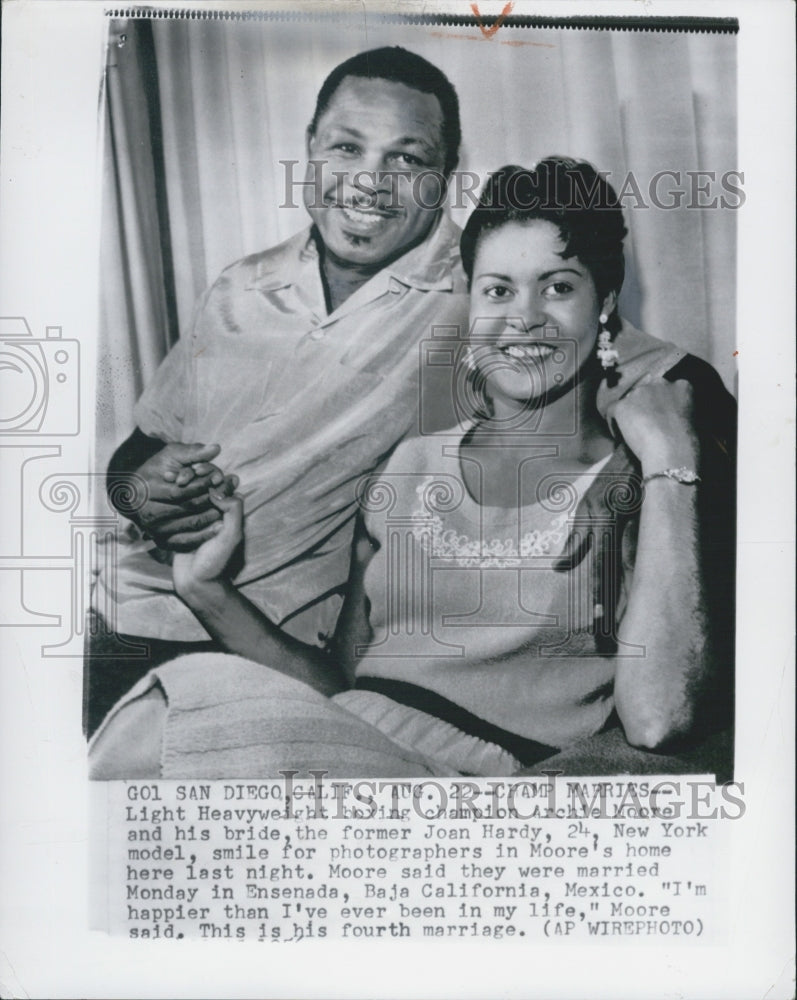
x=317, y=335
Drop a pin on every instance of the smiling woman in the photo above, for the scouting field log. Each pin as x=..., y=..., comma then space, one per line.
x=544, y=287
x=540, y=309
x=561, y=532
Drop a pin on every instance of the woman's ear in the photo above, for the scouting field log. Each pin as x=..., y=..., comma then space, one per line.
x=609, y=303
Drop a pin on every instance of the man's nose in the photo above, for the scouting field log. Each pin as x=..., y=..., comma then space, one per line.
x=373, y=173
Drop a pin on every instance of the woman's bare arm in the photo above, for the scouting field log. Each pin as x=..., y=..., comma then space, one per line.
x=242, y=628
x=657, y=693
x=239, y=626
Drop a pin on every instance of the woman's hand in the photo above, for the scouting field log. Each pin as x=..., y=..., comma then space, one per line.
x=232, y=620
x=207, y=564
x=655, y=419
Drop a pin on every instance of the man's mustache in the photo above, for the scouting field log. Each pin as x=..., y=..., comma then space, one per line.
x=365, y=205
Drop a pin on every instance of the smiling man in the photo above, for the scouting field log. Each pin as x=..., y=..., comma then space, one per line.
x=378, y=151
x=298, y=375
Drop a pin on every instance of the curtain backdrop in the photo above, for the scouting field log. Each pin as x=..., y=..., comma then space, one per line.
x=200, y=114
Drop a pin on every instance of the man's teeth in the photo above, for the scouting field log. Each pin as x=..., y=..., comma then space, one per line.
x=528, y=350
x=364, y=217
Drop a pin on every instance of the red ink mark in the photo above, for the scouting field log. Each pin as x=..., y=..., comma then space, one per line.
x=489, y=32
x=736, y=354
x=501, y=41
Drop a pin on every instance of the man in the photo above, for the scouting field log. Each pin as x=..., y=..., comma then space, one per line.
x=299, y=375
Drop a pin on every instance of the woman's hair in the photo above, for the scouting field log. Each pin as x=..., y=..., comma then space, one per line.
x=572, y=195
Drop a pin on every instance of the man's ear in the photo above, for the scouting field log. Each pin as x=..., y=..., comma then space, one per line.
x=447, y=177
x=309, y=135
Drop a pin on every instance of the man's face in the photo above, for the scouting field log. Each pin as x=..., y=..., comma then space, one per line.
x=374, y=140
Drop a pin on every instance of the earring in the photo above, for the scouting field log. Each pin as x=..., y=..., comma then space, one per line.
x=607, y=355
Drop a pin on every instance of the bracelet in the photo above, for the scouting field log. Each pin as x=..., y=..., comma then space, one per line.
x=683, y=475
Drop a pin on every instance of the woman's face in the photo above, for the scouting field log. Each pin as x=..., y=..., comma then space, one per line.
x=533, y=314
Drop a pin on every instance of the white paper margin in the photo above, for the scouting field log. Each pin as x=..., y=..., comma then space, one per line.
x=49, y=191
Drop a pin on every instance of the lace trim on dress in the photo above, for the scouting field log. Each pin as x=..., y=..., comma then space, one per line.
x=484, y=553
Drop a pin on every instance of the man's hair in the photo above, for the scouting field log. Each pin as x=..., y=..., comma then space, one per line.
x=398, y=65
x=572, y=195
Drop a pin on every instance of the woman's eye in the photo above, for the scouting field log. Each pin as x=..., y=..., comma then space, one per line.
x=558, y=288
x=498, y=293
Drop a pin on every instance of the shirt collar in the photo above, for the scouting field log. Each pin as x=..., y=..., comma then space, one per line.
x=428, y=266
x=285, y=265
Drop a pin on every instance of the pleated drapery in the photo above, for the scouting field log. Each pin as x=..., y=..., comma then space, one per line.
x=205, y=130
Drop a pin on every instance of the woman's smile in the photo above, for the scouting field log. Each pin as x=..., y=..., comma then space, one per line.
x=520, y=356
x=523, y=351
x=534, y=313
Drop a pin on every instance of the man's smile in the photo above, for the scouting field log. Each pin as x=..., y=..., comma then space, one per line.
x=366, y=219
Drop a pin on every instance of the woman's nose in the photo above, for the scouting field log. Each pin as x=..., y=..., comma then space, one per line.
x=527, y=314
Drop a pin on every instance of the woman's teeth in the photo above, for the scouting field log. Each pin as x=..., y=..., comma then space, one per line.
x=528, y=350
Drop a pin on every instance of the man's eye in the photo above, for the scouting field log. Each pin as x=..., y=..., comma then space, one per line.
x=346, y=147
x=408, y=160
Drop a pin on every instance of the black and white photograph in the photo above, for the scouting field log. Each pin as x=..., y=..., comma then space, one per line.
x=461, y=501
x=397, y=533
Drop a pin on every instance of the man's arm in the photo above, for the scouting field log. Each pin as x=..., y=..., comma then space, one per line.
x=170, y=484
x=131, y=454
x=153, y=479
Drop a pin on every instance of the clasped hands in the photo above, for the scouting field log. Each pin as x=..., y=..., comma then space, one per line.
x=179, y=513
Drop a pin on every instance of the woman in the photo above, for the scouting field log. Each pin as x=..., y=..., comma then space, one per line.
x=519, y=583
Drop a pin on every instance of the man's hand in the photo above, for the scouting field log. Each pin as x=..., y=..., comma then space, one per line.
x=178, y=513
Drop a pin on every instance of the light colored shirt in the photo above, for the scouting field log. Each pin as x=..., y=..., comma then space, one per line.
x=464, y=600
x=303, y=404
